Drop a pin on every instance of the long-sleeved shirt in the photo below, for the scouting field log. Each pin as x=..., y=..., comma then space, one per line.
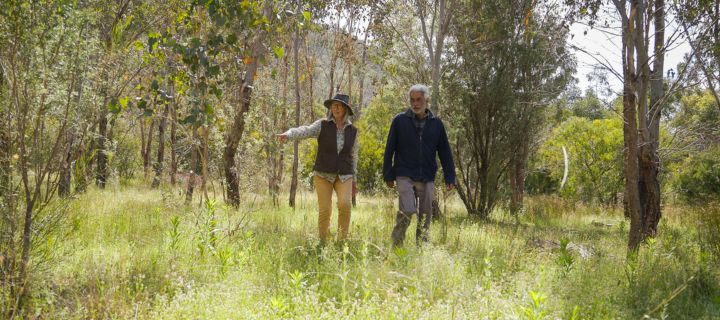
x=313, y=131
x=412, y=147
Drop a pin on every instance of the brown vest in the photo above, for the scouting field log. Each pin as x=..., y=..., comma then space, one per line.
x=328, y=159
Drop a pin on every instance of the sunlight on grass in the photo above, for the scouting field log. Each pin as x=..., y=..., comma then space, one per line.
x=142, y=253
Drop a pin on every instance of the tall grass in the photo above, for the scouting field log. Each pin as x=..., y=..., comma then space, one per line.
x=140, y=253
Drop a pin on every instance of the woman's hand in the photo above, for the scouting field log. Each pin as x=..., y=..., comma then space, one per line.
x=281, y=137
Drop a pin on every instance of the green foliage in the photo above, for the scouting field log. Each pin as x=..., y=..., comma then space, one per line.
x=697, y=123
x=595, y=158
x=697, y=109
x=697, y=178
x=373, y=128
x=590, y=107
x=174, y=233
x=692, y=161
x=565, y=258
x=497, y=91
x=201, y=48
x=708, y=235
x=124, y=157
x=535, y=311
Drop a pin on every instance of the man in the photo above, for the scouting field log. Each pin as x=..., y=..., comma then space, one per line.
x=416, y=136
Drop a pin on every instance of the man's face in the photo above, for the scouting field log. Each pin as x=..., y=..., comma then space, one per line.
x=418, y=103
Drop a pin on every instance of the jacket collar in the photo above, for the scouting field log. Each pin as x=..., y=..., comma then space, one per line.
x=409, y=113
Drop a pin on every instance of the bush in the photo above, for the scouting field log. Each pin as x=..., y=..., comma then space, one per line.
x=698, y=178
x=373, y=127
x=595, y=159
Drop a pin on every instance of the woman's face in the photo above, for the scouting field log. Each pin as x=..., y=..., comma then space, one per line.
x=338, y=110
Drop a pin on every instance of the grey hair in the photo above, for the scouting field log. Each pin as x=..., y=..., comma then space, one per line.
x=420, y=88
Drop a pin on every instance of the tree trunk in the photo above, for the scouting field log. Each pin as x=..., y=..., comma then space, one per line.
x=5, y=149
x=275, y=154
x=204, y=161
x=194, y=155
x=148, y=149
x=7, y=203
x=311, y=74
x=445, y=16
x=333, y=61
x=517, y=174
x=84, y=157
x=630, y=131
x=72, y=149
x=294, y=179
x=173, y=145
x=66, y=167
x=232, y=138
x=363, y=63
x=101, y=173
x=161, y=147
x=649, y=158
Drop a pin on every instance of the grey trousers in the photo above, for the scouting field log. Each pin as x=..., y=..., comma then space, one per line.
x=414, y=197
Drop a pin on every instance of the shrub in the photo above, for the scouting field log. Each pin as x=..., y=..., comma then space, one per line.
x=698, y=178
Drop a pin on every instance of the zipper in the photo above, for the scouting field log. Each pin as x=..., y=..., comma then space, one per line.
x=421, y=150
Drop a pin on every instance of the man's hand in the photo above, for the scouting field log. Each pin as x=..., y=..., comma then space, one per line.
x=450, y=186
x=282, y=137
x=390, y=184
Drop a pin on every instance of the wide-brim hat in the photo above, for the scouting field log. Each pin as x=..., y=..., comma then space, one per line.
x=342, y=98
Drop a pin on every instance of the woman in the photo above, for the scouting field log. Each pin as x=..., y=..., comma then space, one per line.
x=335, y=163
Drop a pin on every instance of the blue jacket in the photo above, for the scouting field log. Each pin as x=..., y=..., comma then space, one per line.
x=408, y=154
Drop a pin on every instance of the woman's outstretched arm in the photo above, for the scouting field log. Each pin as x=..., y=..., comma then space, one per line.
x=301, y=132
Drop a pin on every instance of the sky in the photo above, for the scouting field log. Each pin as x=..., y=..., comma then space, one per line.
x=606, y=46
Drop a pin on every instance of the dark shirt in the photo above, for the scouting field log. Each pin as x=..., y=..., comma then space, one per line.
x=411, y=152
x=419, y=123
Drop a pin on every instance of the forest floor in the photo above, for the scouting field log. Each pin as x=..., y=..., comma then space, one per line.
x=133, y=252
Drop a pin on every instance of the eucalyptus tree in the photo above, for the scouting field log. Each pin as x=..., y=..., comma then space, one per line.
x=219, y=47
x=509, y=62
x=644, y=96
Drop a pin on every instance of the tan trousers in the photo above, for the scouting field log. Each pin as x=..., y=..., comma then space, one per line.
x=343, y=191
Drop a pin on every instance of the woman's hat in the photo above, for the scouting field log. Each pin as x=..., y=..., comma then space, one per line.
x=342, y=98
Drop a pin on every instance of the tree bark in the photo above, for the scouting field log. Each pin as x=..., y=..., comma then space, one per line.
x=101, y=169
x=173, y=145
x=7, y=206
x=232, y=138
x=294, y=179
x=161, y=147
x=363, y=63
x=630, y=129
x=71, y=150
x=147, y=155
x=649, y=159
x=517, y=174
x=333, y=61
x=5, y=145
x=194, y=155
x=204, y=161
x=66, y=167
x=311, y=74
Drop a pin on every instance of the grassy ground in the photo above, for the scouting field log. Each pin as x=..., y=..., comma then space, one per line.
x=140, y=253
